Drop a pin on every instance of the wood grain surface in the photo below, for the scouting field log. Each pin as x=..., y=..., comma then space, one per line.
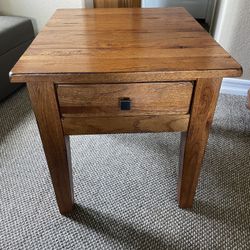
x=117, y=3
x=104, y=99
x=130, y=124
x=84, y=60
x=193, y=143
x=166, y=42
x=55, y=143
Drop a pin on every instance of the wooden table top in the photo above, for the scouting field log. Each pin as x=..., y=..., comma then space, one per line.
x=89, y=41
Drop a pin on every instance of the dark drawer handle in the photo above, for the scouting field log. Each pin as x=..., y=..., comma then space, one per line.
x=125, y=103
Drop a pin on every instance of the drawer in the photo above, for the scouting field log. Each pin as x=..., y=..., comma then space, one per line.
x=130, y=99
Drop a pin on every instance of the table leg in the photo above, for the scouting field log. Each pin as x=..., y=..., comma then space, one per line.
x=193, y=142
x=55, y=144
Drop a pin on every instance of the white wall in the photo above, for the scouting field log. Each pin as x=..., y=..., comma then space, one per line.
x=232, y=30
x=38, y=10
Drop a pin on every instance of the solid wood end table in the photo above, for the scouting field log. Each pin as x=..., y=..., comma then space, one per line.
x=96, y=71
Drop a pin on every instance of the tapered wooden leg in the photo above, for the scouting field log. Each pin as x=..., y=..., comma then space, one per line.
x=55, y=144
x=193, y=142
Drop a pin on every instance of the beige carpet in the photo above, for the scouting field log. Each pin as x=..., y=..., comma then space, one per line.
x=125, y=188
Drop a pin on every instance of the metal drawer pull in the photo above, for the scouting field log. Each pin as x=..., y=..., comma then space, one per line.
x=125, y=103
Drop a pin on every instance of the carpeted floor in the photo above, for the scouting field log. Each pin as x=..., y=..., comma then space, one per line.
x=125, y=187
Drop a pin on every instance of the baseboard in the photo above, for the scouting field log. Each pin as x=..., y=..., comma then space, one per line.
x=234, y=86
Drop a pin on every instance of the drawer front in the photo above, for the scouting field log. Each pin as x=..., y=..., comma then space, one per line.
x=102, y=100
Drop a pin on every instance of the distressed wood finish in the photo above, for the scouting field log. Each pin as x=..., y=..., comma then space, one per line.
x=84, y=60
x=103, y=99
x=55, y=143
x=123, y=77
x=193, y=143
x=163, y=42
x=117, y=3
x=127, y=124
